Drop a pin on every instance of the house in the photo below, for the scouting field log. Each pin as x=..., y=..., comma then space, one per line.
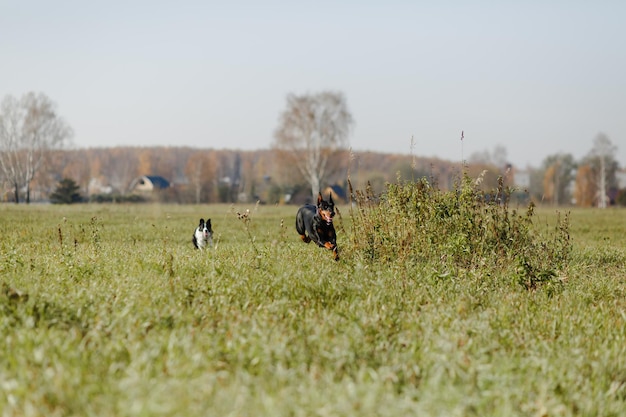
x=97, y=186
x=149, y=183
x=337, y=191
x=521, y=179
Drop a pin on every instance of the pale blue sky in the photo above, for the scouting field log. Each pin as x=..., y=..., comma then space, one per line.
x=537, y=77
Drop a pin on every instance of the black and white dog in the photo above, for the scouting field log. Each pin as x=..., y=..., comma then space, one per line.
x=203, y=235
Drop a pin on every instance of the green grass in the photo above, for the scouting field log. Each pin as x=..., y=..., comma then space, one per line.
x=109, y=311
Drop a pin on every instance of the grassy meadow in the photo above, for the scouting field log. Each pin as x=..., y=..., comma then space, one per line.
x=108, y=310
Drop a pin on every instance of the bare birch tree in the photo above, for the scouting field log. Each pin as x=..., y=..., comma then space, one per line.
x=602, y=158
x=29, y=129
x=311, y=128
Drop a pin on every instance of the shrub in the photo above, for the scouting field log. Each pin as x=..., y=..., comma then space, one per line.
x=465, y=228
x=66, y=192
x=117, y=198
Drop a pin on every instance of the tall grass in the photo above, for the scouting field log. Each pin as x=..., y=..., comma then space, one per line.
x=465, y=229
x=109, y=311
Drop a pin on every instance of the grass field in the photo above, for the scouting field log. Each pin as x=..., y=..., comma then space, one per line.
x=108, y=310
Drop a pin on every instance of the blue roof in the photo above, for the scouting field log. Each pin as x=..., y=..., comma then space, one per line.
x=158, y=181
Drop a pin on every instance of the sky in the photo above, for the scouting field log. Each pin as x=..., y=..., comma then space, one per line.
x=535, y=77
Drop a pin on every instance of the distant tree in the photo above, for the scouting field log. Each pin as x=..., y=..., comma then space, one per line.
x=94, y=162
x=29, y=130
x=256, y=175
x=200, y=172
x=312, y=127
x=121, y=167
x=535, y=188
x=77, y=168
x=559, y=171
x=145, y=162
x=585, y=191
x=66, y=192
x=601, y=158
x=497, y=158
x=482, y=157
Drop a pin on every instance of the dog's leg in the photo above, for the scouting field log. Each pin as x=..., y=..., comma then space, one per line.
x=305, y=238
x=333, y=247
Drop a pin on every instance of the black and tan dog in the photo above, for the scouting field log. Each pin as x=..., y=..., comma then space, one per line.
x=315, y=223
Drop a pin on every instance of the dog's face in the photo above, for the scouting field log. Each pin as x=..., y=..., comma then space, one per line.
x=326, y=209
x=205, y=228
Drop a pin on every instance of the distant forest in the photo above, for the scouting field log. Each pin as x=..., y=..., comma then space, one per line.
x=201, y=176
x=227, y=176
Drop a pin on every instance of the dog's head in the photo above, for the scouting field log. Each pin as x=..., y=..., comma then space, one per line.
x=205, y=228
x=326, y=209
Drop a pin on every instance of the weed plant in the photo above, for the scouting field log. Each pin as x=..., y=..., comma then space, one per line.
x=466, y=229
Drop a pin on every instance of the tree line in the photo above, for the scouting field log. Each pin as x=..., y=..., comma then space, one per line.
x=310, y=152
x=221, y=175
x=229, y=176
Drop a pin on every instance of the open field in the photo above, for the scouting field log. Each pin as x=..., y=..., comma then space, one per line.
x=108, y=310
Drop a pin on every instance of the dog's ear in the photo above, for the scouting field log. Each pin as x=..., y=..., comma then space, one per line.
x=319, y=198
x=330, y=199
x=201, y=222
x=208, y=222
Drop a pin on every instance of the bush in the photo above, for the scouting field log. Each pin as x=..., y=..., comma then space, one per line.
x=117, y=198
x=461, y=229
x=66, y=192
